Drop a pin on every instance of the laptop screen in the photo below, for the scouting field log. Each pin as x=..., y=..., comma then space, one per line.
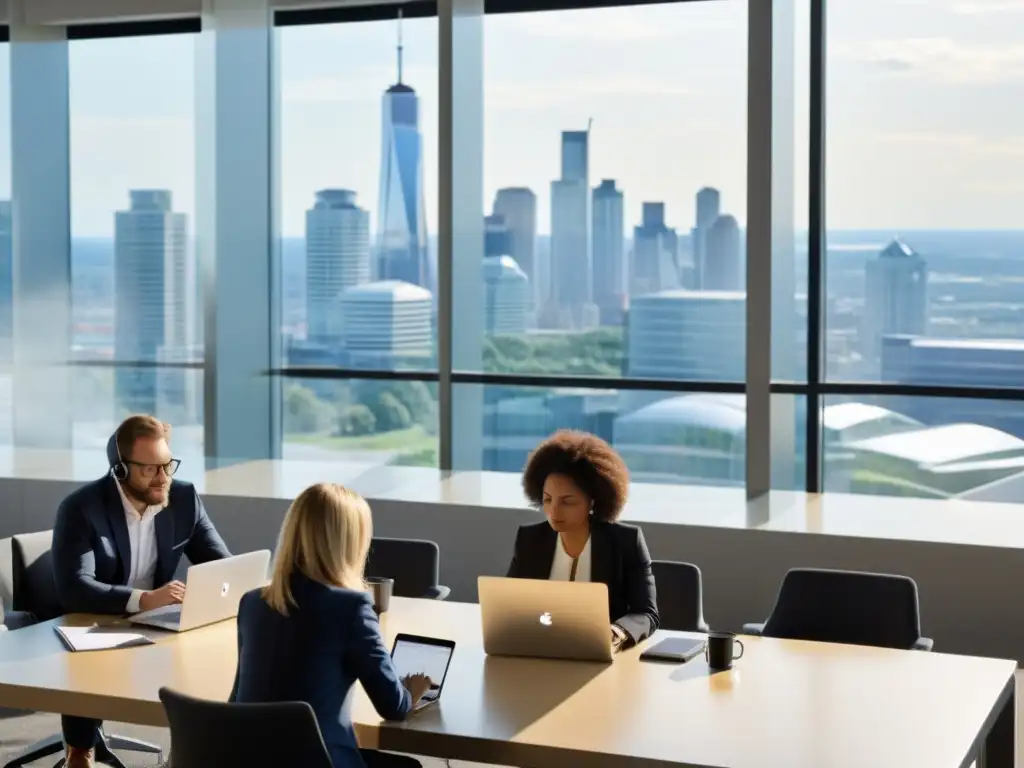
x=428, y=656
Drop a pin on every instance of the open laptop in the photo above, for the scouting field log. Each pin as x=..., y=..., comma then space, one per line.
x=546, y=619
x=213, y=591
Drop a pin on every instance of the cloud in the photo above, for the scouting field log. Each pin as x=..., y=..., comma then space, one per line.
x=354, y=86
x=943, y=59
x=537, y=94
x=980, y=7
x=615, y=25
x=957, y=142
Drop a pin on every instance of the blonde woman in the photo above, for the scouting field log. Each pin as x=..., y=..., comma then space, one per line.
x=312, y=633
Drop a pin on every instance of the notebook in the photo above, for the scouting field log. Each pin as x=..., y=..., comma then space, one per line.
x=97, y=638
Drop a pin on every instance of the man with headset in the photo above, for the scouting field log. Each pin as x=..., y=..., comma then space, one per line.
x=119, y=540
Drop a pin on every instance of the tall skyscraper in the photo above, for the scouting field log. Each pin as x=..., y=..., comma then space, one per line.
x=337, y=257
x=709, y=206
x=896, y=298
x=402, y=213
x=518, y=207
x=655, y=263
x=152, y=292
x=609, y=252
x=507, y=296
x=569, y=304
x=6, y=282
x=497, y=238
x=723, y=267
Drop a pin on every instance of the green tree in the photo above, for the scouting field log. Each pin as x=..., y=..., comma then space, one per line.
x=391, y=414
x=356, y=421
x=304, y=412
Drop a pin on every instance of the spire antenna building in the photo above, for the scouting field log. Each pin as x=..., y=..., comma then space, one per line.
x=400, y=48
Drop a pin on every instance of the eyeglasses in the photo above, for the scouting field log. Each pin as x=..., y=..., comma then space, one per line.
x=150, y=470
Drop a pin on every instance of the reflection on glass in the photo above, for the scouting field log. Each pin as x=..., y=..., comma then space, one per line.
x=135, y=286
x=925, y=269
x=366, y=420
x=614, y=242
x=940, y=448
x=664, y=438
x=358, y=125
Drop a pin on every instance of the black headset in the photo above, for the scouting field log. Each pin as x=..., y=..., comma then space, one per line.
x=118, y=466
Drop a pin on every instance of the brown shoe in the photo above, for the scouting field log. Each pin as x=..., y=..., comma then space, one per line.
x=76, y=757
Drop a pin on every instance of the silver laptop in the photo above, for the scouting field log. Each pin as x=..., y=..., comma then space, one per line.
x=546, y=619
x=213, y=591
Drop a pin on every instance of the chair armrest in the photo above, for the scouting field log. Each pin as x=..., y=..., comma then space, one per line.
x=19, y=619
x=438, y=593
x=753, y=629
x=922, y=644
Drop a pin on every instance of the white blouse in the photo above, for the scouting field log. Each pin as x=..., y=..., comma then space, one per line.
x=561, y=564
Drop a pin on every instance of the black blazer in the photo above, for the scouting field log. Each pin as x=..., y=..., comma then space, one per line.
x=316, y=654
x=618, y=558
x=92, y=553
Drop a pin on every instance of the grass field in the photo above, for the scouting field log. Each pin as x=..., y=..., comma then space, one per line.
x=414, y=446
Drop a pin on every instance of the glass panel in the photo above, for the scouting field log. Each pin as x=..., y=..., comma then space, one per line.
x=922, y=446
x=6, y=245
x=366, y=420
x=135, y=286
x=615, y=183
x=358, y=193
x=924, y=266
x=97, y=395
x=685, y=438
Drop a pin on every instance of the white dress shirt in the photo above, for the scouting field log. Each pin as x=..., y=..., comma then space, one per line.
x=142, y=542
x=561, y=563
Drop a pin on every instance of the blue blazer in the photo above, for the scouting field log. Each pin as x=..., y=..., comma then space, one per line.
x=618, y=558
x=315, y=654
x=92, y=553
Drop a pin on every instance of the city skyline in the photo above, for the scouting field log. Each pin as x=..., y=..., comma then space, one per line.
x=678, y=111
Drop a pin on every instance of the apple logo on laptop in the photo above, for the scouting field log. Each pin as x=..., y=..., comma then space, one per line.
x=545, y=619
x=224, y=589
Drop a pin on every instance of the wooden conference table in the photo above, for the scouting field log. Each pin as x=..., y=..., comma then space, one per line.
x=786, y=703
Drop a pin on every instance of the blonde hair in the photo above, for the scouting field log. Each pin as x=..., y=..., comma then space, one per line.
x=326, y=537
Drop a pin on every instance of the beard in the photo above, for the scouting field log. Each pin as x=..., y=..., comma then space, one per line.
x=150, y=495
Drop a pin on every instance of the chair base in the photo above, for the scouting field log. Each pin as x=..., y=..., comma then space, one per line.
x=54, y=745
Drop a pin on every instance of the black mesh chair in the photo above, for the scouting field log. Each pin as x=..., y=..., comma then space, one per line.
x=680, y=601
x=414, y=564
x=208, y=733
x=35, y=599
x=848, y=607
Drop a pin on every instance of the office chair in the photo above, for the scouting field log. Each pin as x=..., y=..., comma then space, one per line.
x=35, y=599
x=848, y=607
x=414, y=564
x=208, y=733
x=680, y=601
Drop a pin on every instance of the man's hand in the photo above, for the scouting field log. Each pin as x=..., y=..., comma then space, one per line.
x=171, y=593
x=619, y=637
x=417, y=685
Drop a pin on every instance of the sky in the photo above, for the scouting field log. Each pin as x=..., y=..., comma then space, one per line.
x=925, y=110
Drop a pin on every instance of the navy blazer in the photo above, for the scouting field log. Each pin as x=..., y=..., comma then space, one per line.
x=92, y=553
x=315, y=654
x=618, y=558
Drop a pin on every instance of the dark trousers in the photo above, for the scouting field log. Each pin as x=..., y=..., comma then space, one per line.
x=375, y=759
x=80, y=732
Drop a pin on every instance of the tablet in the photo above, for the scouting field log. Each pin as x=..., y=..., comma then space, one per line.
x=429, y=656
x=675, y=649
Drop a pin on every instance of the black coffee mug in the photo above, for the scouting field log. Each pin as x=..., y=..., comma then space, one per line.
x=380, y=588
x=721, y=650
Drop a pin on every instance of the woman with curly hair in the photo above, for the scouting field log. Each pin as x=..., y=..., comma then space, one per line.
x=581, y=483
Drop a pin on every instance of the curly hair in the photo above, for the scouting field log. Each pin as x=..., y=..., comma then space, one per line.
x=589, y=462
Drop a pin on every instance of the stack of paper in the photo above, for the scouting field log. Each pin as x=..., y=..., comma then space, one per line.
x=97, y=638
